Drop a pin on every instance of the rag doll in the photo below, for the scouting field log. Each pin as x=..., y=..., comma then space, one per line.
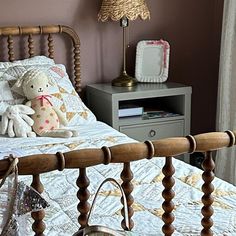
x=47, y=118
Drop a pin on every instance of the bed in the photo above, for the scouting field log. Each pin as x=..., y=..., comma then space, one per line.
x=165, y=195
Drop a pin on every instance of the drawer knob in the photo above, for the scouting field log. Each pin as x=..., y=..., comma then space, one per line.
x=152, y=133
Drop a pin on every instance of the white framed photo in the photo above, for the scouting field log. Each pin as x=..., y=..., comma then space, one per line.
x=152, y=61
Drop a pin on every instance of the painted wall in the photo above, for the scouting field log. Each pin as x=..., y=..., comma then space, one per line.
x=192, y=28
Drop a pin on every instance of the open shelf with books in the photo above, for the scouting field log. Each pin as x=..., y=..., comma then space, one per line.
x=152, y=108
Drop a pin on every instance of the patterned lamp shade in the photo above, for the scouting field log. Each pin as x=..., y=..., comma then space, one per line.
x=117, y=9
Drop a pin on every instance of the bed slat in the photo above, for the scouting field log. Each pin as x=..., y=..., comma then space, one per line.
x=207, y=199
x=127, y=176
x=11, y=56
x=31, y=45
x=83, y=196
x=38, y=226
x=168, y=194
x=50, y=46
x=77, y=72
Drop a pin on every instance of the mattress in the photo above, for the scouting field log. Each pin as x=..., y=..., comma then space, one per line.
x=60, y=188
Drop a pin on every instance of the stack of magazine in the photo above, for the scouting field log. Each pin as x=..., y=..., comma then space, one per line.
x=127, y=110
x=158, y=114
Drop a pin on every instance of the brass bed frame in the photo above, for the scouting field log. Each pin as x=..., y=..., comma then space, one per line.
x=124, y=153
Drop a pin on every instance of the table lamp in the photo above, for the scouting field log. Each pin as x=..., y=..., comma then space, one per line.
x=123, y=10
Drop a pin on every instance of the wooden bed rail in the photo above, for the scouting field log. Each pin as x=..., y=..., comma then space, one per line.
x=37, y=164
x=47, y=29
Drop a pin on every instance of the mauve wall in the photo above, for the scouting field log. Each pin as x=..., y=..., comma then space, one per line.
x=191, y=26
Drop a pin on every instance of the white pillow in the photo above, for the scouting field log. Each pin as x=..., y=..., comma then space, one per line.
x=37, y=60
x=64, y=95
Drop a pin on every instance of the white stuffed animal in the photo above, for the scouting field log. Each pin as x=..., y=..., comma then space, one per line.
x=16, y=122
x=47, y=118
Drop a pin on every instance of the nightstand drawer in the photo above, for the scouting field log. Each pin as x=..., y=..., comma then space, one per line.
x=155, y=130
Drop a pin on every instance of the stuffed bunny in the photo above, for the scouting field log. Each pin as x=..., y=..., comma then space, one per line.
x=47, y=118
x=16, y=122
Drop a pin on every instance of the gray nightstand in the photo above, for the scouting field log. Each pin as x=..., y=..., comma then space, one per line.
x=104, y=100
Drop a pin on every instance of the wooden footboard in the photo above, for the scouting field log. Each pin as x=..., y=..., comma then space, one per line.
x=125, y=153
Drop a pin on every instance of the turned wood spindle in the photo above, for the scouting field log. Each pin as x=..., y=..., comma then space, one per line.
x=30, y=45
x=168, y=194
x=77, y=72
x=38, y=226
x=83, y=196
x=127, y=176
x=50, y=46
x=10, y=48
x=207, y=199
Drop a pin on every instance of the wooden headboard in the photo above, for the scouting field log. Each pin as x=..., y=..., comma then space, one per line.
x=48, y=30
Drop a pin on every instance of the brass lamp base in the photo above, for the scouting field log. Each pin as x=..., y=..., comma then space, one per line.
x=124, y=80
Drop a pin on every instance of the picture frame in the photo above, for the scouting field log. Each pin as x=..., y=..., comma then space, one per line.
x=152, y=61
